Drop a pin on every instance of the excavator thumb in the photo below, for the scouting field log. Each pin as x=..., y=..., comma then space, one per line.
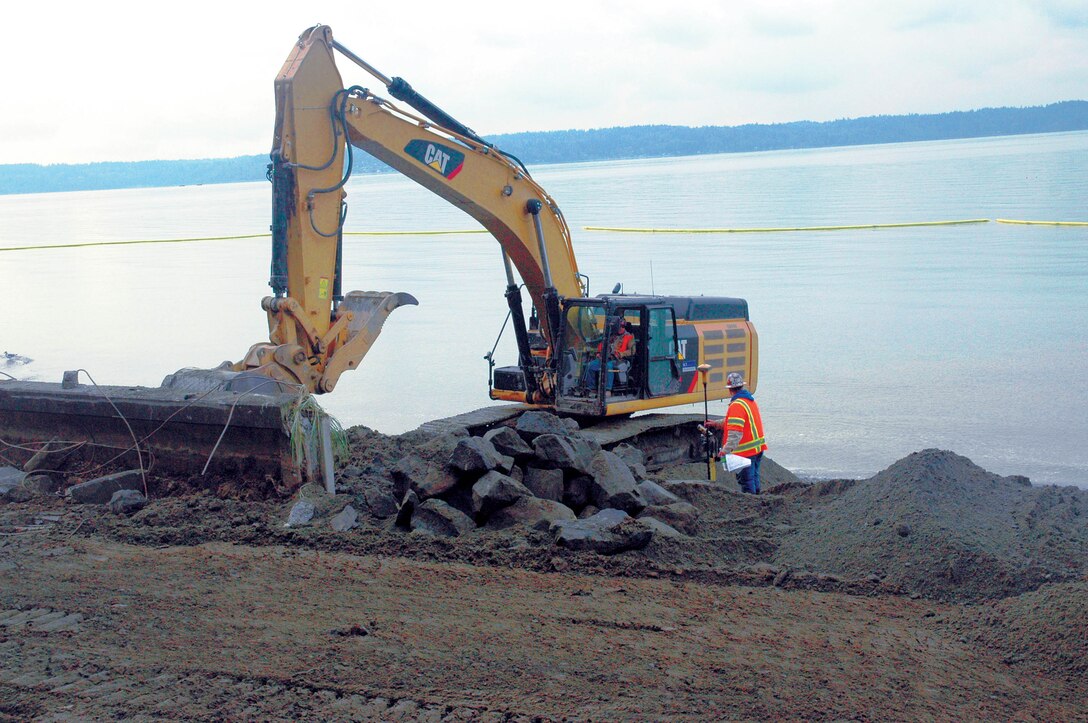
x=365, y=312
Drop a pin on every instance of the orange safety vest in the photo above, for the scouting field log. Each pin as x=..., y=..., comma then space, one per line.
x=743, y=416
x=625, y=343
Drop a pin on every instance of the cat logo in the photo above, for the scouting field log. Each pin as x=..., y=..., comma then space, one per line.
x=444, y=160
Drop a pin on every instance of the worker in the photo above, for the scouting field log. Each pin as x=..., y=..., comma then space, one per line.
x=743, y=432
x=621, y=348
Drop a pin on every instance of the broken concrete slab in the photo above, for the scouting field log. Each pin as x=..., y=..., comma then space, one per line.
x=661, y=529
x=99, y=491
x=629, y=453
x=10, y=478
x=41, y=485
x=176, y=428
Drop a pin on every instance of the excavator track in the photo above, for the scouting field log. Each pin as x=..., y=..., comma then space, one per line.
x=664, y=439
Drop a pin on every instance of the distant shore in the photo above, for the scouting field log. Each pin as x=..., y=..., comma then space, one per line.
x=574, y=146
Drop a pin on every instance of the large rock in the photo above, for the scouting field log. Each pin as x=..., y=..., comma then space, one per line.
x=494, y=491
x=475, y=456
x=629, y=453
x=436, y=517
x=40, y=485
x=11, y=481
x=682, y=515
x=380, y=503
x=127, y=502
x=422, y=477
x=534, y=423
x=614, y=485
x=507, y=441
x=607, y=533
x=547, y=484
x=99, y=491
x=345, y=520
x=655, y=494
x=659, y=528
x=532, y=512
x=407, y=508
x=577, y=491
x=553, y=451
x=301, y=514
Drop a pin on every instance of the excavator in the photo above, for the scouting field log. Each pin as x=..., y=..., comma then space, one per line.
x=317, y=333
x=584, y=356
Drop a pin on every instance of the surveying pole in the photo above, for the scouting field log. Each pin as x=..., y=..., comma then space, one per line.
x=710, y=471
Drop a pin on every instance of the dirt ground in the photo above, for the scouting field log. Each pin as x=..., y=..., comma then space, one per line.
x=932, y=591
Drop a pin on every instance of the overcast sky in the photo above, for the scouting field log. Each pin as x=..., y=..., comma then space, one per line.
x=122, y=81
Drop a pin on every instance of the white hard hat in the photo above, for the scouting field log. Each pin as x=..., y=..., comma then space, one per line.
x=734, y=380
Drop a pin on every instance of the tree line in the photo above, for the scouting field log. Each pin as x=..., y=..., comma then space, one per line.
x=569, y=146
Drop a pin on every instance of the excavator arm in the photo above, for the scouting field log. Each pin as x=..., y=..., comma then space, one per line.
x=316, y=333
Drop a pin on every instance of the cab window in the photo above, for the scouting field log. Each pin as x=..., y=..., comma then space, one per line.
x=664, y=369
x=583, y=331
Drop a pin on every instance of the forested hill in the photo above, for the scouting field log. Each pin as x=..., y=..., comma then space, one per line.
x=588, y=145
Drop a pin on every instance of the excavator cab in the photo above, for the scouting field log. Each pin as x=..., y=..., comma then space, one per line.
x=616, y=350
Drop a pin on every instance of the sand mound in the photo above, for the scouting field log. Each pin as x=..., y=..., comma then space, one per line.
x=937, y=524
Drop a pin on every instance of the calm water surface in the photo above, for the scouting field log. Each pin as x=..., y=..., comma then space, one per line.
x=874, y=343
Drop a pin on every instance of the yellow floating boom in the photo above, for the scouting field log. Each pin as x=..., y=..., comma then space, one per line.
x=778, y=229
x=1044, y=223
x=225, y=238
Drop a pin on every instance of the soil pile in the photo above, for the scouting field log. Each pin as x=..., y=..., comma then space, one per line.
x=1046, y=630
x=938, y=525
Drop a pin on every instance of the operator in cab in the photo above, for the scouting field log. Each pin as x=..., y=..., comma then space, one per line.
x=621, y=348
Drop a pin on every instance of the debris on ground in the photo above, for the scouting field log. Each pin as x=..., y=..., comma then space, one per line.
x=444, y=559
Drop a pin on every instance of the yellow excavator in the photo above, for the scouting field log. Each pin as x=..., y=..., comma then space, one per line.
x=567, y=357
x=579, y=355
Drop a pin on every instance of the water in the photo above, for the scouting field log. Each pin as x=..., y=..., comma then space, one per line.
x=874, y=343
